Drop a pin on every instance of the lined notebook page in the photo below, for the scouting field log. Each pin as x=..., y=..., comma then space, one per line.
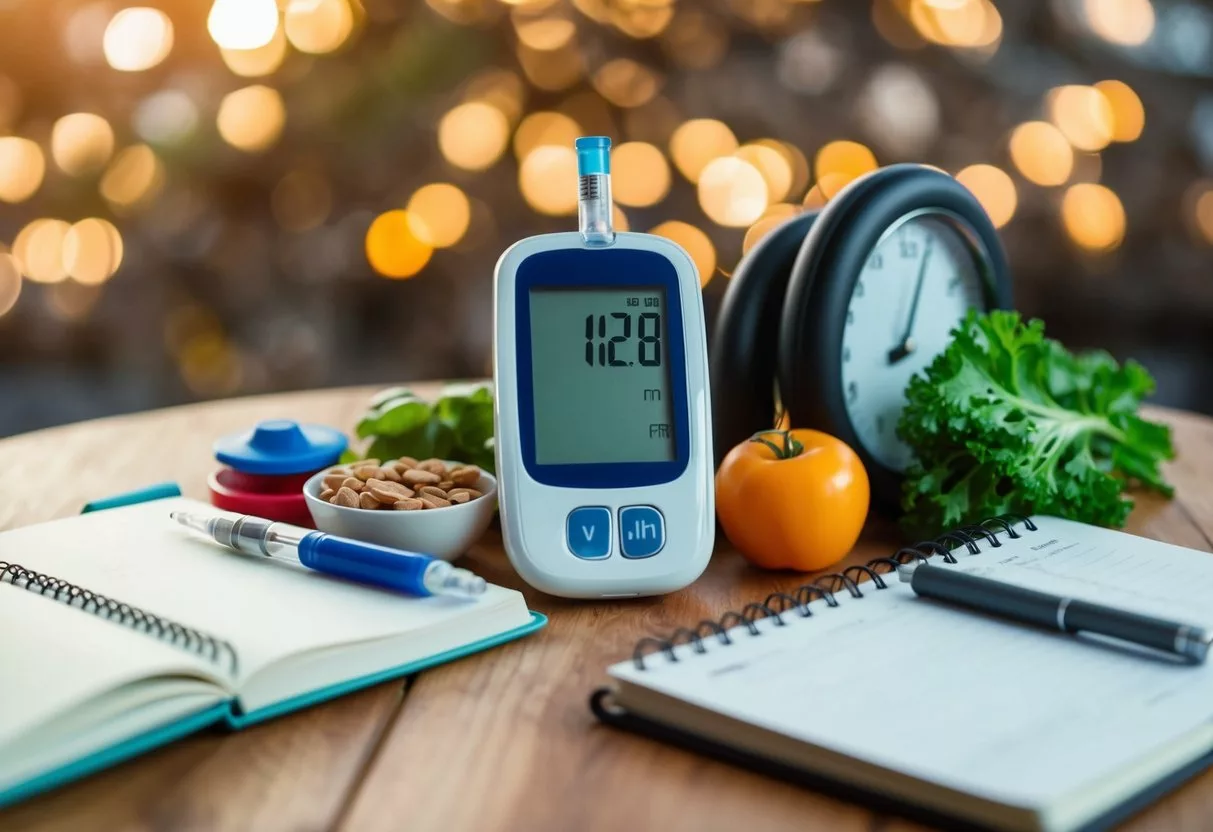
x=269, y=610
x=983, y=706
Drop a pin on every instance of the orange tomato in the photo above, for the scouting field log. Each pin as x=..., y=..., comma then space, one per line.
x=792, y=499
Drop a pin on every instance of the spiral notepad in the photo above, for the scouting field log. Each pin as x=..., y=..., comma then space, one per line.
x=852, y=683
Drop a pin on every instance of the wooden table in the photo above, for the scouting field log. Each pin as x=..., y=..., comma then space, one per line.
x=498, y=741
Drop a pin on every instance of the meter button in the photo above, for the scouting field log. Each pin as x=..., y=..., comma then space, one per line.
x=641, y=531
x=588, y=532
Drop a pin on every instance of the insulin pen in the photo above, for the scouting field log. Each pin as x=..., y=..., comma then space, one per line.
x=408, y=572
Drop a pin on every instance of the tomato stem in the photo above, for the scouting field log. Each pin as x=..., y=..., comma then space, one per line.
x=791, y=445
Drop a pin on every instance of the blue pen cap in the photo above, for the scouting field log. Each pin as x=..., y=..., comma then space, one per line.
x=281, y=446
x=593, y=155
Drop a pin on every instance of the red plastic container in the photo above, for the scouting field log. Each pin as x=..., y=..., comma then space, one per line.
x=274, y=498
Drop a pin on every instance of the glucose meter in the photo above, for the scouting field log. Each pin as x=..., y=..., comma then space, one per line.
x=603, y=437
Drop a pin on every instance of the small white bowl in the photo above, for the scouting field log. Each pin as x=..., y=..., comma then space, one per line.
x=444, y=533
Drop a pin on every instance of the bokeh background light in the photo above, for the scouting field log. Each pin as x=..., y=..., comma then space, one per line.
x=242, y=24
x=22, y=166
x=640, y=175
x=548, y=179
x=137, y=39
x=38, y=250
x=697, y=142
x=242, y=196
x=1084, y=115
x=439, y=214
x=1041, y=153
x=135, y=176
x=994, y=189
x=81, y=143
x=732, y=192
x=259, y=61
x=544, y=128
x=251, y=118
x=1094, y=217
x=845, y=160
x=92, y=251
x=318, y=26
x=473, y=135
x=393, y=246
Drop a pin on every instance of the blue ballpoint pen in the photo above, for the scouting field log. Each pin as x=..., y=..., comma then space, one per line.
x=407, y=572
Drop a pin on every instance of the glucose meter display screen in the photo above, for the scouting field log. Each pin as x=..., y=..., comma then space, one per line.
x=600, y=372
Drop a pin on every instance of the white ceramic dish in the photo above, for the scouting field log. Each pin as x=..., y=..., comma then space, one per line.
x=444, y=533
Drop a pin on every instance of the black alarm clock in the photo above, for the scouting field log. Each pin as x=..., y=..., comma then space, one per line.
x=834, y=311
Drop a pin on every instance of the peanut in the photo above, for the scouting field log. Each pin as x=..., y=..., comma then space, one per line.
x=461, y=497
x=405, y=463
x=418, y=476
x=327, y=494
x=446, y=485
x=335, y=481
x=388, y=492
x=391, y=474
x=433, y=491
x=352, y=484
x=367, y=500
x=472, y=493
x=410, y=504
x=434, y=502
x=358, y=463
x=346, y=497
x=466, y=476
x=367, y=472
x=434, y=466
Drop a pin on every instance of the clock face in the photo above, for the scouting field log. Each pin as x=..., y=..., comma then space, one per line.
x=915, y=287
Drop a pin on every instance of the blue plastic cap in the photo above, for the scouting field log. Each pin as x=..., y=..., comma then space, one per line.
x=593, y=155
x=281, y=446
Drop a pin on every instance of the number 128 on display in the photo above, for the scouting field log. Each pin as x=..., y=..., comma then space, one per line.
x=648, y=330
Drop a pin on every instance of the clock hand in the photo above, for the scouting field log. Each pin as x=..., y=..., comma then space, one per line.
x=906, y=346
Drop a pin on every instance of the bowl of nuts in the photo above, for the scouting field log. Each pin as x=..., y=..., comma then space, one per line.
x=434, y=507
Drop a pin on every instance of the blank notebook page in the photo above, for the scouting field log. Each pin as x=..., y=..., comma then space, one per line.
x=987, y=707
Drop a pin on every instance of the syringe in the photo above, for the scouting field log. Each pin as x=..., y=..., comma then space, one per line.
x=407, y=572
x=595, y=213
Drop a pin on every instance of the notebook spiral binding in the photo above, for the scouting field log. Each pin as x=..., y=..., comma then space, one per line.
x=194, y=641
x=829, y=585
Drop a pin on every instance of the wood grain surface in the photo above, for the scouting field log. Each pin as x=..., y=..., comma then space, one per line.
x=498, y=741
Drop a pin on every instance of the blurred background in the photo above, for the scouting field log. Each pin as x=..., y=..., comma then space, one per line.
x=206, y=199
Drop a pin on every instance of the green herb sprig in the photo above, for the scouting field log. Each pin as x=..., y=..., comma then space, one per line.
x=1006, y=420
x=458, y=425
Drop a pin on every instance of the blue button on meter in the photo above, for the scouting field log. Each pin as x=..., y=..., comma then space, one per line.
x=603, y=411
x=641, y=531
x=588, y=532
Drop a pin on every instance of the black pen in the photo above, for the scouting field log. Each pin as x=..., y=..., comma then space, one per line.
x=1055, y=612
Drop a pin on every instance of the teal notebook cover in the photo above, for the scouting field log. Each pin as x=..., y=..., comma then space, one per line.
x=228, y=714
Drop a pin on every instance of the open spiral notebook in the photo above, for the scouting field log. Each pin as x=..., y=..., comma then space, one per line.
x=855, y=685
x=119, y=632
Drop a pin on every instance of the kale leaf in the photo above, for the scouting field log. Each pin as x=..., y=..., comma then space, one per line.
x=1006, y=420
